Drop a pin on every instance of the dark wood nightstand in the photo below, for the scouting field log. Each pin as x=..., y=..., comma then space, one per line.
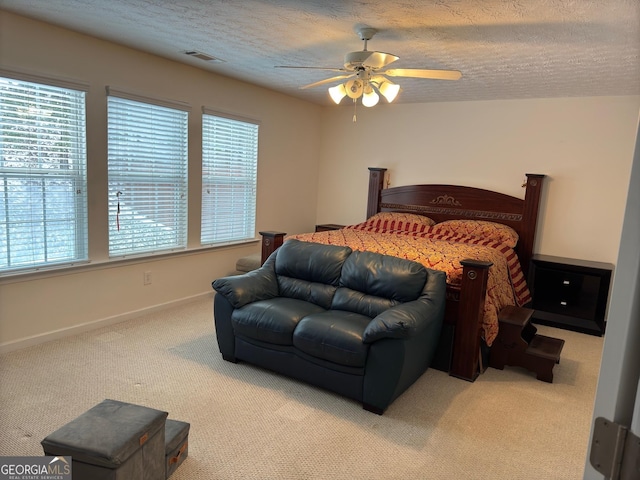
x=570, y=293
x=328, y=226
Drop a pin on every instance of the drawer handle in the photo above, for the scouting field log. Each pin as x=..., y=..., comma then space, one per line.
x=563, y=303
x=566, y=282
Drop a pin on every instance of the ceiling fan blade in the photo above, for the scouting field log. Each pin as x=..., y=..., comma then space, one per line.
x=327, y=80
x=418, y=73
x=379, y=59
x=330, y=69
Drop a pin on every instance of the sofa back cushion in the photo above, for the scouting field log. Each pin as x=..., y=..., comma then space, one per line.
x=309, y=271
x=371, y=283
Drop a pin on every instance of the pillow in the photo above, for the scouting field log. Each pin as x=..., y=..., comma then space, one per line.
x=479, y=228
x=396, y=221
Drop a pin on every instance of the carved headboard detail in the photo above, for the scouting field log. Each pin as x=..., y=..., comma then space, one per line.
x=448, y=202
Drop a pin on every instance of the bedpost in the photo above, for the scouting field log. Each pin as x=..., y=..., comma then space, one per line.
x=465, y=361
x=529, y=219
x=270, y=243
x=376, y=182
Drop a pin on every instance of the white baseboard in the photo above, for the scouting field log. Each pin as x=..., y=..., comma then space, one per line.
x=85, y=327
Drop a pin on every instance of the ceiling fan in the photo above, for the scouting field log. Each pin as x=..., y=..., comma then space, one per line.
x=366, y=74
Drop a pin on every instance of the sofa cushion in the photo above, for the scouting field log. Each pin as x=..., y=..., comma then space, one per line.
x=313, y=292
x=358, y=302
x=273, y=320
x=309, y=271
x=335, y=336
x=383, y=276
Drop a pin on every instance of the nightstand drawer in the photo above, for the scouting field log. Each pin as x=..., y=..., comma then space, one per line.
x=566, y=293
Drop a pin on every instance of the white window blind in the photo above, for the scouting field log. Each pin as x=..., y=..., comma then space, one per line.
x=43, y=179
x=147, y=164
x=229, y=177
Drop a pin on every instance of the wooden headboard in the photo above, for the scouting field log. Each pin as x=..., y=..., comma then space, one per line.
x=448, y=202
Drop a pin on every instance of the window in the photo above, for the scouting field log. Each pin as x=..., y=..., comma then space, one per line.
x=229, y=176
x=147, y=164
x=43, y=179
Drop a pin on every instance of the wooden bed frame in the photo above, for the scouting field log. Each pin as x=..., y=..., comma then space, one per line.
x=465, y=304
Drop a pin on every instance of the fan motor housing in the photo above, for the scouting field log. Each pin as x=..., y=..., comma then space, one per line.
x=354, y=60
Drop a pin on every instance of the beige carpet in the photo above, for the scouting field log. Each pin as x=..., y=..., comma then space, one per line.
x=247, y=423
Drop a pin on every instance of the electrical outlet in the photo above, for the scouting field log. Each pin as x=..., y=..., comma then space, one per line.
x=146, y=279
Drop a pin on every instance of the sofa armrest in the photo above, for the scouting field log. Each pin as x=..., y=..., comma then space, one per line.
x=400, y=321
x=406, y=319
x=239, y=290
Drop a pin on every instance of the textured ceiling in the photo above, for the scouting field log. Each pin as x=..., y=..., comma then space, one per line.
x=504, y=48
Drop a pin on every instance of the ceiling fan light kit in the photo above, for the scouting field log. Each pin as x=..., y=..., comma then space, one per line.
x=337, y=93
x=389, y=90
x=366, y=80
x=370, y=98
x=354, y=88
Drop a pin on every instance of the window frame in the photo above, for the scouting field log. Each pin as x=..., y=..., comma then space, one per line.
x=152, y=177
x=67, y=136
x=236, y=158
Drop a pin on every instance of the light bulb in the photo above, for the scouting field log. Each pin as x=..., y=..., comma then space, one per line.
x=389, y=90
x=370, y=98
x=337, y=93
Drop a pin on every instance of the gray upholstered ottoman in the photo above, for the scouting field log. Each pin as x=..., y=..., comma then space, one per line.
x=249, y=263
x=113, y=441
x=176, y=437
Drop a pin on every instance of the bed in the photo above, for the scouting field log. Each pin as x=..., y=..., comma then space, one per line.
x=482, y=239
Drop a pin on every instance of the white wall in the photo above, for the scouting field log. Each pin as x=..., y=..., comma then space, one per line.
x=35, y=307
x=584, y=145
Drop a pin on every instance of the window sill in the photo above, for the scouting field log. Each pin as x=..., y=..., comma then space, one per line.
x=80, y=267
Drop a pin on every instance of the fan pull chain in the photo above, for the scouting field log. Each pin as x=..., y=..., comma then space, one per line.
x=355, y=108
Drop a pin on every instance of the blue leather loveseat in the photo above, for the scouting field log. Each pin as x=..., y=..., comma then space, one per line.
x=361, y=324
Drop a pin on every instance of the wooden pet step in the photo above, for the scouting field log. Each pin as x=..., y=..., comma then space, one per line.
x=546, y=347
x=519, y=345
x=542, y=354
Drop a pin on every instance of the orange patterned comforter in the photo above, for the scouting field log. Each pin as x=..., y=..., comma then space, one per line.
x=506, y=284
